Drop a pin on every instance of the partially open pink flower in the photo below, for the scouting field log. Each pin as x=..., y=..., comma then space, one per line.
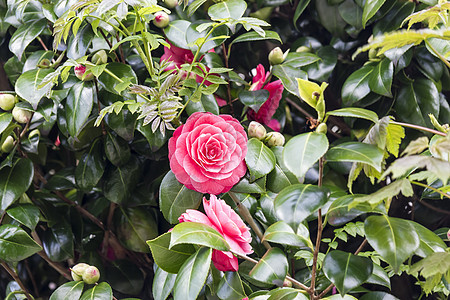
x=267, y=110
x=224, y=219
x=207, y=153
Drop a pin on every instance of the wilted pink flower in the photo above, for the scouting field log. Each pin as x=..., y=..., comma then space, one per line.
x=207, y=153
x=224, y=219
x=266, y=111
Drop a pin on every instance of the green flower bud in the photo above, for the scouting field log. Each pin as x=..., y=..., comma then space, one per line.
x=91, y=275
x=100, y=57
x=276, y=56
x=21, y=115
x=79, y=72
x=7, y=101
x=275, y=139
x=77, y=271
x=287, y=283
x=322, y=128
x=161, y=19
x=44, y=63
x=8, y=144
x=256, y=130
x=303, y=49
x=171, y=3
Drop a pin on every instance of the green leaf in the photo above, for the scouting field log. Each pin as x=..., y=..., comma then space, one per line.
x=170, y=260
x=230, y=287
x=78, y=44
x=281, y=233
x=287, y=74
x=354, y=112
x=345, y=270
x=16, y=244
x=356, y=152
x=232, y=9
x=286, y=293
x=27, y=86
x=254, y=36
x=163, y=283
x=91, y=167
x=297, y=202
x=216, y=38
x=207, y=103
x=379, y=276
x=356, y=86
x=5, y=120
x=297, y=60
x=26, y=214
x=330, y=18
x=194, y=6
x=198, y=234
x=351, y=12
x=176, y=33
x=301, y=6
x=155, y=139
x=116, y=149
x=78, y=106
x=302, y=151
x=378, y=295
x=125, y=277
x=122, y=123
x=102, y=291
x=307, y=90
x=14, y=181
x=119, y=182
x=437, y=263
x=380, y=80
x=429, y=241
x=58, y=241
x=260, y=159
x=175, y=198
x=24, y=35
x=123, y=71
x=394, y=135
x=254, y=99
x=70, y=290
x=271, y=268
x=370, y=9
x=322, y=69
x=394, y=239
x=192, y=275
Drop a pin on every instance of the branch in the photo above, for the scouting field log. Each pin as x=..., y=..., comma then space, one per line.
x=17, y=279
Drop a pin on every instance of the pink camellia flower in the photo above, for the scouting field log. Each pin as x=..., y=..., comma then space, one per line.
x=207, y=153
x=224, y=219
x=266, y=111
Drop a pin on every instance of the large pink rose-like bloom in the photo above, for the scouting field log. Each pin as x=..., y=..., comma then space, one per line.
x=222, y=218
x=266, y=111
x=207, y=153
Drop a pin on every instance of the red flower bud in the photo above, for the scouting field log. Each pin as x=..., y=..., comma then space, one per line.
x=161, y=19
x=80, y=71
x=91, y=275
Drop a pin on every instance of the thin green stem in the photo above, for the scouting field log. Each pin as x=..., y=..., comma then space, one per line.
x=431, y=188
x=419, y=128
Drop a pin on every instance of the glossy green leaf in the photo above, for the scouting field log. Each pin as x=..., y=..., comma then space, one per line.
x=345, y=270
x=254, y=99
x=244, y=186
x=116, y=149
x=281, y=233
x=300, y=59
x=102, y=291
x=217, y=37
x=378, y=295
x=278, y=179
x=170, y=260
x=26, y=214
x=78, y=44
x=70, y=290
x=379, y=276
x=297, y=202
x=207, y=103
x=175, y=198
x=125, y=277
x=271, y=268
x=351, y=12
x=16, y=244
x=260, y=159
x=356, y=86
x=287, y=74
x=394, y=239
x=254, y=36
x=198, y=234
x=122, y=123
x=330, y=18
x=356, y=152
x=285, y=293
x=120, y=181
x=232, y=9
x=429, y=241
x=302, y=151
x=24, y=35
x=14, y=181
x=322, y=69
x=380, y=80
x=64, y=179
x=192, y=275
x=5, y=120
x=230, y=287
x=155, y=139
x=163, y=283
x=301, y=6
x=35, y=58
x=91, y=167
x=78, y=106
x=58, y=241
x=394, y=18
x=176, y=33
x=370, y=9
x=354, y=112
x=339, y=297
x=123, y=71
x=27, y=86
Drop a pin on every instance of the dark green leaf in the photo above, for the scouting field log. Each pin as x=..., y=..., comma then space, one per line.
x=122, y=123
x=370, y=9
x=254, y=99
x=282, y=233
x=5, y=120
x=322, y=69
x=379, y=276
x=91, y=167
x=26, y=214
x=378, y=295
x=78, y=106
x=121, y=181
x=207, y=103
x=345, y=270
x=64, y=179
x=287, y=294
x=287, y=74
x=70, y=290
x=380, y=80
x=232, y=9
x=192, y=275
x=79, y=44
x=271, y=268
x=351, y=12
x=125, y=277
x=254, y=36
x=260, y=159
x=356, y=86
x=24, y=35
x=297, y=60
x=155, y=139
x=16, y=244
x=116, y=149
x=27, y=86
x=192, y=35
x=301, y=6
x=198, y=234
x=330, y=18
x=230, y=287
x=429, y=241
x=123, y=71
x=102, y=291
x=176, y=33
x=163, y=283
x=14, y=181
x=58, y=241
x=356, y=152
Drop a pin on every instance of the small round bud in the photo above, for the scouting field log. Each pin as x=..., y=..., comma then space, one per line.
x=256, y=130
x=44, y=63
x=91, y=275
x=322, y=128
x=276, y=56
x=8, y=144
x=448, y=234
x=21, y=115
x=275, y=139
x=287, y=283
x=161, y=19
x=77, y=271
x=171, y=3
x=7, y=101
x=79, y=72
x=100, y=57
x=303, y=49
